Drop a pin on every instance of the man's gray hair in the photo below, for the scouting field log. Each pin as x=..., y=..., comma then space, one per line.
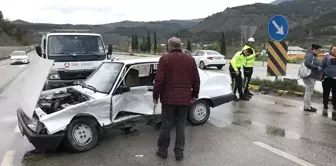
x=174, y=42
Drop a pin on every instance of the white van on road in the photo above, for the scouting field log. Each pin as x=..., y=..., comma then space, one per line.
x=76, y=54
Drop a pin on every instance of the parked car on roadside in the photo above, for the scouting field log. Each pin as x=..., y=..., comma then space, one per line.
x=116, y=94
x=209, y=58
x=19, y=57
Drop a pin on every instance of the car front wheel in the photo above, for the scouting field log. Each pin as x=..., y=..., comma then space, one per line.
x=219, y=67
x=81, y=135
x=199, y=112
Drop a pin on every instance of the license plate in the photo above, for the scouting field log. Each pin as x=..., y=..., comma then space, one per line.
x=76, y=82
x=218, y=58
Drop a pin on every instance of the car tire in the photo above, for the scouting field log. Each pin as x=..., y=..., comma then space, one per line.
x=199, y=112
x=202, y=65
x=219, y=67
x=79, y=132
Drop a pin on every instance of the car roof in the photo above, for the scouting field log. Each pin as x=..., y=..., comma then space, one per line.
x=208, y=50
x=19, y=51
x=71, y=33
x=140, y=60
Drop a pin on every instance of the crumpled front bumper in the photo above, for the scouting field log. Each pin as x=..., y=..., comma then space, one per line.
x=40, y=141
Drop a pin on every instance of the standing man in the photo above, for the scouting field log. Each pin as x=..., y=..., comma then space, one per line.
x=236, y=63
x=177, y=83
x=248, y=67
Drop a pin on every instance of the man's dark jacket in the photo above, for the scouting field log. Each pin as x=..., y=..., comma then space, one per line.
x=177, y=79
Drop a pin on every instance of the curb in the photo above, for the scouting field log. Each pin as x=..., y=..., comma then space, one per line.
x=278, y=92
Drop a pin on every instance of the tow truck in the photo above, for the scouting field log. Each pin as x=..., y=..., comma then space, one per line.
x=76, y=54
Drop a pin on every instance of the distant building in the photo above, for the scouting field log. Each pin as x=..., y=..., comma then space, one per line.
x=295, y=50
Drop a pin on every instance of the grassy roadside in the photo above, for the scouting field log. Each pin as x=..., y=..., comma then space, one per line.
x=280, y=87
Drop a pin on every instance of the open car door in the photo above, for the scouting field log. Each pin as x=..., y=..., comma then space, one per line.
x=137, y=96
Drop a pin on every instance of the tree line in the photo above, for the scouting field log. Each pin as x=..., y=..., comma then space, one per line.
x=146, y=44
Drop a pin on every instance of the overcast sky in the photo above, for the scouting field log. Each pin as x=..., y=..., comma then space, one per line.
x=107, y=11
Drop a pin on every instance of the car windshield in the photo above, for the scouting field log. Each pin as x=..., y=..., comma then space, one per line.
x=74, y=44
x=104, y=77
x=18, y=53
x=213, y=53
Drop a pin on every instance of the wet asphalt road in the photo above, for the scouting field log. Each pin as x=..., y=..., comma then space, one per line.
x=264, y=131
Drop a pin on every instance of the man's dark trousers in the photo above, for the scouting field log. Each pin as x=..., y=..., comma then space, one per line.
x=248, y=71
x=173, y=115
x=236, y=81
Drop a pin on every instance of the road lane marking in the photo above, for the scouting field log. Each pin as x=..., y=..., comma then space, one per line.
x=284, y=154
x=3, y=66
x=8, y=159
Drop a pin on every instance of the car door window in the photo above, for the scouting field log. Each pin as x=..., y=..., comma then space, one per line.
x=140, y=98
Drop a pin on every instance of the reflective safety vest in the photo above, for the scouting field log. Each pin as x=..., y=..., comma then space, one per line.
x=238, y=60
x=250, y=60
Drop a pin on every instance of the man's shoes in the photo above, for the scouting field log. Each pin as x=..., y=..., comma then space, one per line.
x=179, y=158
x=311, y=109
x=325, y=106
x=249, y=93
x=236, y=98
x=161, y=154
x=244, y=98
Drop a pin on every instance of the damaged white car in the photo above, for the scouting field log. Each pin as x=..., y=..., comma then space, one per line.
x=117, y=93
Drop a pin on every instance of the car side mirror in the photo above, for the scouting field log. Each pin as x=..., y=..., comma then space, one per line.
x=38, y=50
x=123, y=89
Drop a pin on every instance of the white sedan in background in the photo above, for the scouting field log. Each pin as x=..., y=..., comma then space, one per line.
x=19, y=57
x=209, y=58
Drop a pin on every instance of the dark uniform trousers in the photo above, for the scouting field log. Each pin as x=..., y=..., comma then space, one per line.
x=236, y=81
x=329, y=84
x=248, y=71
x=173, y=115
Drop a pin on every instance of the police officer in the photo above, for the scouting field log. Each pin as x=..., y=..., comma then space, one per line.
x=236, y=63
x=248, y=67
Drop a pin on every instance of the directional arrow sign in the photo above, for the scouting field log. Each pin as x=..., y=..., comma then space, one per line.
x=278, y=27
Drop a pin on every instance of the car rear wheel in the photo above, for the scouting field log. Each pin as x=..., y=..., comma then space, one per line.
x=219, y=67
x=202, y=65
x=199, y=112
x=81, y=135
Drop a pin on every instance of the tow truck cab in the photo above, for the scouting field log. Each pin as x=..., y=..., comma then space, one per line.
x=76, y=54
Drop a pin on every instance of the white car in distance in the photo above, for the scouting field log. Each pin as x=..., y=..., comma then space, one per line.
x=209, y=58
x=19, y=57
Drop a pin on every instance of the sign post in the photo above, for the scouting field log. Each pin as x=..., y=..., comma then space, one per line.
x=247, y=32
x=277, y=49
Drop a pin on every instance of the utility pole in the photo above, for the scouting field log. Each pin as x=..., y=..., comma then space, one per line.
x=309, y=40
x=241, y=40
x=232, y=41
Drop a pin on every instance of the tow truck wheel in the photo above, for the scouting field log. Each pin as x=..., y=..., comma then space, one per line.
x=199, y=112
x=81, y=135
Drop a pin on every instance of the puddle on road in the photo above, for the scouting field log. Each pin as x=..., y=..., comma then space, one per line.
x=268, y=129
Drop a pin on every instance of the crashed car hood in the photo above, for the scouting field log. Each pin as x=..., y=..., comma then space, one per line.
x=34, y=79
